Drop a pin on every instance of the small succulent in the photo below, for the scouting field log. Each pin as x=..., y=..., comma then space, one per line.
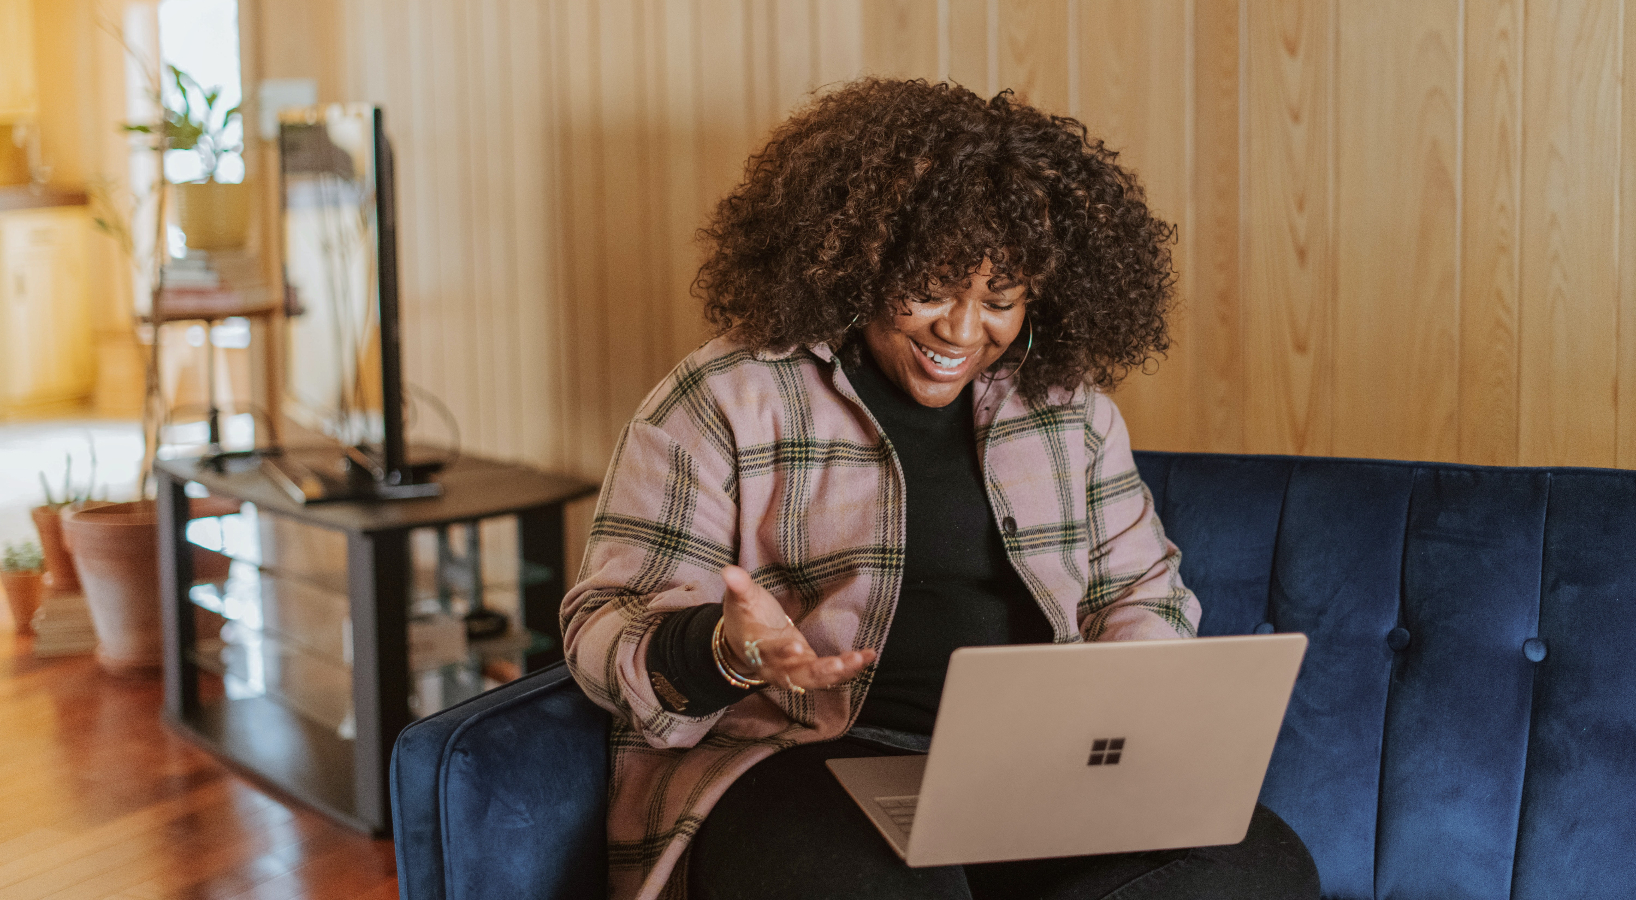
x=71, y=493
x=23, y=557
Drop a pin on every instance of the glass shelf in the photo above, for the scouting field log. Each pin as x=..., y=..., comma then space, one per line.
x=291, y=611
x=251, y=664
x=303, y=553
x=289, y=641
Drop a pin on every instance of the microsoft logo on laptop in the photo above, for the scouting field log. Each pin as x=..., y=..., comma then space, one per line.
x=1106, y=751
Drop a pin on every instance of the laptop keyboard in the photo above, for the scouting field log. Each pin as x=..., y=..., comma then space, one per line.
x=901, y=810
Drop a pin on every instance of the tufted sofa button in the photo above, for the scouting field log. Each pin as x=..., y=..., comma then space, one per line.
x=1264, y=628
x=1398, y=639
x=1534, y=649
x=1009, y=525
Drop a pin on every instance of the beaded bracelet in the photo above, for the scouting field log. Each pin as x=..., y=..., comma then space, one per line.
x=718, y=650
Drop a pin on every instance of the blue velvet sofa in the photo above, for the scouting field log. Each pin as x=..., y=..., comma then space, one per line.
x=1464, y=724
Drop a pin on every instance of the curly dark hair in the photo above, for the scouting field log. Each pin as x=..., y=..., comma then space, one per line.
x=875, y=193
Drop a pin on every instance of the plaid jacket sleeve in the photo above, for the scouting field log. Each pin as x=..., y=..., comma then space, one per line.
x=1134, y=590
x=665, y=525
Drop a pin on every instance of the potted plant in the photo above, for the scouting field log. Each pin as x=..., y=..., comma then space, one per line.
x=115, y=553
x=22, y=575
x=215, y=215
x=59, y=563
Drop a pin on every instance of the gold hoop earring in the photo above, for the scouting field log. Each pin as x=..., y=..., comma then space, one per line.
x=1026, y=350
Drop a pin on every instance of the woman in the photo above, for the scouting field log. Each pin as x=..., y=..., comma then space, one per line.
x=899, y=444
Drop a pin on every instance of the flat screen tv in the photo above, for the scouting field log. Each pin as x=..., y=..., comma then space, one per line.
x=343, y=370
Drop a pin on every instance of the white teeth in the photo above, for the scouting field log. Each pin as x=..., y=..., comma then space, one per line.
x=946, y=362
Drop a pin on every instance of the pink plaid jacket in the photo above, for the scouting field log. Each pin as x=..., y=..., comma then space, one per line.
x=770, y=461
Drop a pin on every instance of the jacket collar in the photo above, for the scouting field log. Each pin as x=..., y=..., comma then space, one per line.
x=820, y=350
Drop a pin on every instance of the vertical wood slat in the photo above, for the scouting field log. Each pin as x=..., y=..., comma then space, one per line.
x=840, y=40
x=1625, y=437
x=1033, y=44
x=1213, y=302
x=1133, y=73
x=682, y=170
x=1396, y=348
x=900, y=38
x=579, y=101
x=533, y=337
x=761, y=52
x=502, y=238
x=1570, y=269
x=1289, y=276
x=480, y=285
x=1491, y=214
x=451, y=290
x=969, y=44
x=796, y=67
x=416, y=162
x=625, y=218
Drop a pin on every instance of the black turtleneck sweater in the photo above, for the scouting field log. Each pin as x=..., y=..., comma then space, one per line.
x=959, y=589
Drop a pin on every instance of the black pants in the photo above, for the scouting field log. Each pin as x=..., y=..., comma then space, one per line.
x=788, y=831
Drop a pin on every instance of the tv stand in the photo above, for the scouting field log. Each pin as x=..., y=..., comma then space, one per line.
x=348, y=475
x=323, y=594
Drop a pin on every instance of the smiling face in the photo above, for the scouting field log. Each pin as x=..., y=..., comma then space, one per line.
x=938, y=345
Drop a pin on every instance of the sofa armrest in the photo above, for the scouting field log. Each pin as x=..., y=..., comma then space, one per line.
x=504, y=795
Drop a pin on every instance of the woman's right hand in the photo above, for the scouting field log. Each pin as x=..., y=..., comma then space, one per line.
x=750, y=614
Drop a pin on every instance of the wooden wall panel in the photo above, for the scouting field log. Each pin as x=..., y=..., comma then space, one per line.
x=794, y=56
x=1133, y=64
x=840, y=40
x=901, y=38
x=1406, y=230
x=1491, y=216
x=578, y=104
x=974, y=45
x=679, y=146
x=555, y=161
x=1396, y=152
x=1625, y=436
x=1289, y=258
x=1570, y=267
x=626, y=249
x=1210, y=253
x=1033, y=51
x=536, y=238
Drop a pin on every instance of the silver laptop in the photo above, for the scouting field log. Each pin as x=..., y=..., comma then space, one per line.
x=1071, y=749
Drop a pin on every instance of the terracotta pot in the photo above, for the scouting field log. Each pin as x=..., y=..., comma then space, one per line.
x=59, y=563
x=115, y=549
x=23, y=591
x=116, y=553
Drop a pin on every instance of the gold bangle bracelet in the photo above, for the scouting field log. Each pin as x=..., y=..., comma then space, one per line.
x=718, y=650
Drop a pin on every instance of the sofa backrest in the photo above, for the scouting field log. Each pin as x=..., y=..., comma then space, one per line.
x=1465, y=721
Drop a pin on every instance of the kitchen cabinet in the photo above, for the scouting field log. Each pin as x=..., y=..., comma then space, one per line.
x=45, y=321
x=18, y=97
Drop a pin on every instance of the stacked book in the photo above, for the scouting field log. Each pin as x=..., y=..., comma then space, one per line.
x=62, y=626
x=212, y=287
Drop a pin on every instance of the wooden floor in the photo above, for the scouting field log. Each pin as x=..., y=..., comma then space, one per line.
x=99, y=800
